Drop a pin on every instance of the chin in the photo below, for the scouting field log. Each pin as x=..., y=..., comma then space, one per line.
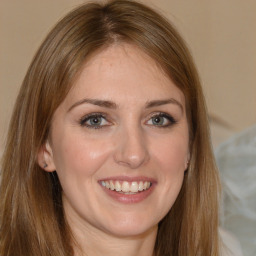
x=131, y=228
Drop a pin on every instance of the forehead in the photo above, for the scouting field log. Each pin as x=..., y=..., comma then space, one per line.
x=123, y=72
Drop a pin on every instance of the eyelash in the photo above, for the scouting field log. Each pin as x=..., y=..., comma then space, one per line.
x=171, y=121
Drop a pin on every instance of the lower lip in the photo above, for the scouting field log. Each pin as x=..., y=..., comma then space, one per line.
x=129, y=198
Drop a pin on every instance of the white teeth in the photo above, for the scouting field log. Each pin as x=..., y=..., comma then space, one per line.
x=126, y=187
x=134, y=187
x=107, y=184
x=140, y=186
x=118, y=186
x=112, y=186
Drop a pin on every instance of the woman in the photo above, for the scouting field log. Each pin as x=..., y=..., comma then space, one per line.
x=108, y=150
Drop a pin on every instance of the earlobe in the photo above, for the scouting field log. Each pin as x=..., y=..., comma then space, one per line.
x=186, y=165
x=187, y=161
x=45, y=158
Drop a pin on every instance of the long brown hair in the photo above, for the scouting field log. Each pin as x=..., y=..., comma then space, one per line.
x=31, y=215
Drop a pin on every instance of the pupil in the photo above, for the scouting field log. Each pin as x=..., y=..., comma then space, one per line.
x=157, y=120
x=95, y=120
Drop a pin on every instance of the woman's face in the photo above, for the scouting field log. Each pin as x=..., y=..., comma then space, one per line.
x=119, y=143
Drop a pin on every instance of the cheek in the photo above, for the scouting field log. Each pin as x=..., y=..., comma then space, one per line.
x=75, y=156
x=172, y=153
x=170, y=159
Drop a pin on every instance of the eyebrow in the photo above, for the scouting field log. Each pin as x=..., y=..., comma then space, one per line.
x=100, y=103
x=112, y=105
x=156, y=103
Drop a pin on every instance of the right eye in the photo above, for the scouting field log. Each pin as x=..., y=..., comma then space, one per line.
x=94, y=121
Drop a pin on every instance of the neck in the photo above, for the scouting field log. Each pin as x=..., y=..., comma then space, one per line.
x=97, y=243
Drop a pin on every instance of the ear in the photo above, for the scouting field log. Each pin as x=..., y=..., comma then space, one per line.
x=45, y=157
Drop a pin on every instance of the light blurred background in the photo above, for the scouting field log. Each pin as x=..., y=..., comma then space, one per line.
x=220, y=34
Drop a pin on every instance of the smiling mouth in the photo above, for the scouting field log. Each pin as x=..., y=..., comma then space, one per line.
x=126, y=187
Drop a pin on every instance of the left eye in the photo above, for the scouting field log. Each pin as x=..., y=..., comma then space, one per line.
x=94, y=121
x=162, y=120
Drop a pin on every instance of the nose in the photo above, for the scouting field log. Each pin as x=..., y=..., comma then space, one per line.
x=131, y=149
